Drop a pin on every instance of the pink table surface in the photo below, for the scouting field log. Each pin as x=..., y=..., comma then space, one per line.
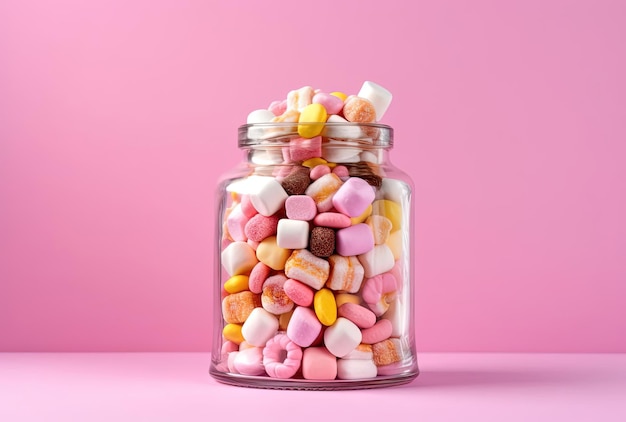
x=177, y=387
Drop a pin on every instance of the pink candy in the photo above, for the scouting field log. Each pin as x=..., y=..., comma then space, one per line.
x=353, y=197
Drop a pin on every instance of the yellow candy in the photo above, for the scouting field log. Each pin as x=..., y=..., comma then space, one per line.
x=394, y=242
x=339, y=95
x=269, y=253
x=361, y=218
x=312, y=162
x=391, y=210
x=232, y=332
x=342, y=298
x=313, y=113
x=325, y=307
x=236, y=284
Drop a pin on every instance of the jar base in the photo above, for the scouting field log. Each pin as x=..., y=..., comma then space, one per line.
x=313, y=385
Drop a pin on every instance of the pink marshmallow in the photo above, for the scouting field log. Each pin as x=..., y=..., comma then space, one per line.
x=377, y=287
x=353, y=197
x=278, y=107
x=247, y=208
x=354, y=240
x=236, y=223
x=249, y=361
x=318, y=364
x=301, y=149
x=342, y=172
x=300, y=207
x=303, y=327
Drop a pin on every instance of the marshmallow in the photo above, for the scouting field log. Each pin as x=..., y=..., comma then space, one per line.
x=395, y=190
x=342, y=337
x=236, y=223
x=354, y=240
x=318, y=364
x=380, y=227
x=304, y=327
x=272, y=255
x=301, y=149
x=238, y=258
x=362, y=352
x=346, y=273
x=259, y=327
x=398, y=315
x=353, y=197
x=300, y=207
x=322, y=191
x=331, y=103
x=390, y=209
x=298, y=99
x=268, y=195
x=319, y=171
x=237, y=307
x=260, y=227
x=307, y=268
x=355, y=369
x=341, y=130
x=249, y=361
x=387, y=352
x=379, y=97
x=377, y=261
x=394, y=243
x=292, y=234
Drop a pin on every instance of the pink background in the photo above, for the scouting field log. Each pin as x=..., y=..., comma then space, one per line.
x=117, y=117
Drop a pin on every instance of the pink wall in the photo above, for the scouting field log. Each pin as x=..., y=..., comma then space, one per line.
x=117, y=117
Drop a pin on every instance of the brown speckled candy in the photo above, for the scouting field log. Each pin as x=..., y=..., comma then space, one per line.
x=322, y=241
x=297, y=181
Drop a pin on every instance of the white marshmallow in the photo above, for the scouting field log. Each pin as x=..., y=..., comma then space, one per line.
x=377, y=261
x=292, y=234
x=394, y=242
x=268, y=196
x=370, y=157
x=379, y=97
x=267, y=157
x=342, y=337
x=335, y=153
x=238, y=258
x=250, y=361
x=348, y=131
x=259, y=327
x=354, y=369
x=231, y=362
x=395, y=190
x=236, y=223
x=362, y=352
x=398, y=315
x=258, y=116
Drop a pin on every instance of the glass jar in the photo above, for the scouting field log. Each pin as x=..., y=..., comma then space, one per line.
x=314, y=271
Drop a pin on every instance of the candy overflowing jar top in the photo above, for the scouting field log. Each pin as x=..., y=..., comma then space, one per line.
x=311, y=114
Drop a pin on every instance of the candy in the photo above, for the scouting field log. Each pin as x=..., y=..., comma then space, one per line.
x=362, y=352
x=359, y=110
x=389, y=209
x=338, y=128
x=322, y=241
x=332, y=219
x=353, y=197
x=238, y=258
x=307, y=268
x=274, y=299
x=232, y=333
x=259, y=327
x=354, y=369
x=319, y=171
x=378, y=96
x=378, y=332
x=342, y=337
x=322, y=191
x=325, y=307
x=297, y=181
x=260, y=227
x=301, y=149
x=236, y=284
x=249, y=361
x=268, y=196
x=318, y=364
x=346, y=273
x=332, y=103
x=292, y=234
x=258, y=275
x=361, y=316
x=300, y=207
x=380, y=227
x=276, y=364
x=310, y=123
x=236, y=223
x=299, y=293
x=298, y=99
x=272, y=255
x=387, y=352
x=354, y=240
x=237, y=307
x=304, y=327
x=377, y=261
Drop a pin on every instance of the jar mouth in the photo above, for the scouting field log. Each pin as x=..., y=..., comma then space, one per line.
x=372, y=134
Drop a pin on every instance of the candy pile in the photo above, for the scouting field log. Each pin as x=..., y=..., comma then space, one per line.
x=313, y=254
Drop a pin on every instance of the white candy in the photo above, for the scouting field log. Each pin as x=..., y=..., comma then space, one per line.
x=354, y=369
x=249, y=361
x=258, y=116
x=259, y=327
x=346, y=273
x=238, y=258
x=398, y=315
x=394, y=242
x=236, y=222
x=334, y=152
x=379, y=308
x=343, y=131
x=292, y=234
x=377, y=261
x=360, y=353
x=267, y=157
x=395, y=190
x=268, y=196
x=370, y=157
x=379, y=96
x=342, y=337
x=231, y=362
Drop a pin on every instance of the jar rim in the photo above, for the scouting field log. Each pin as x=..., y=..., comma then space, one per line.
x=279, y=133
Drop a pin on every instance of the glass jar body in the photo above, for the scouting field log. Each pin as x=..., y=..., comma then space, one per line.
x=314, y=277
